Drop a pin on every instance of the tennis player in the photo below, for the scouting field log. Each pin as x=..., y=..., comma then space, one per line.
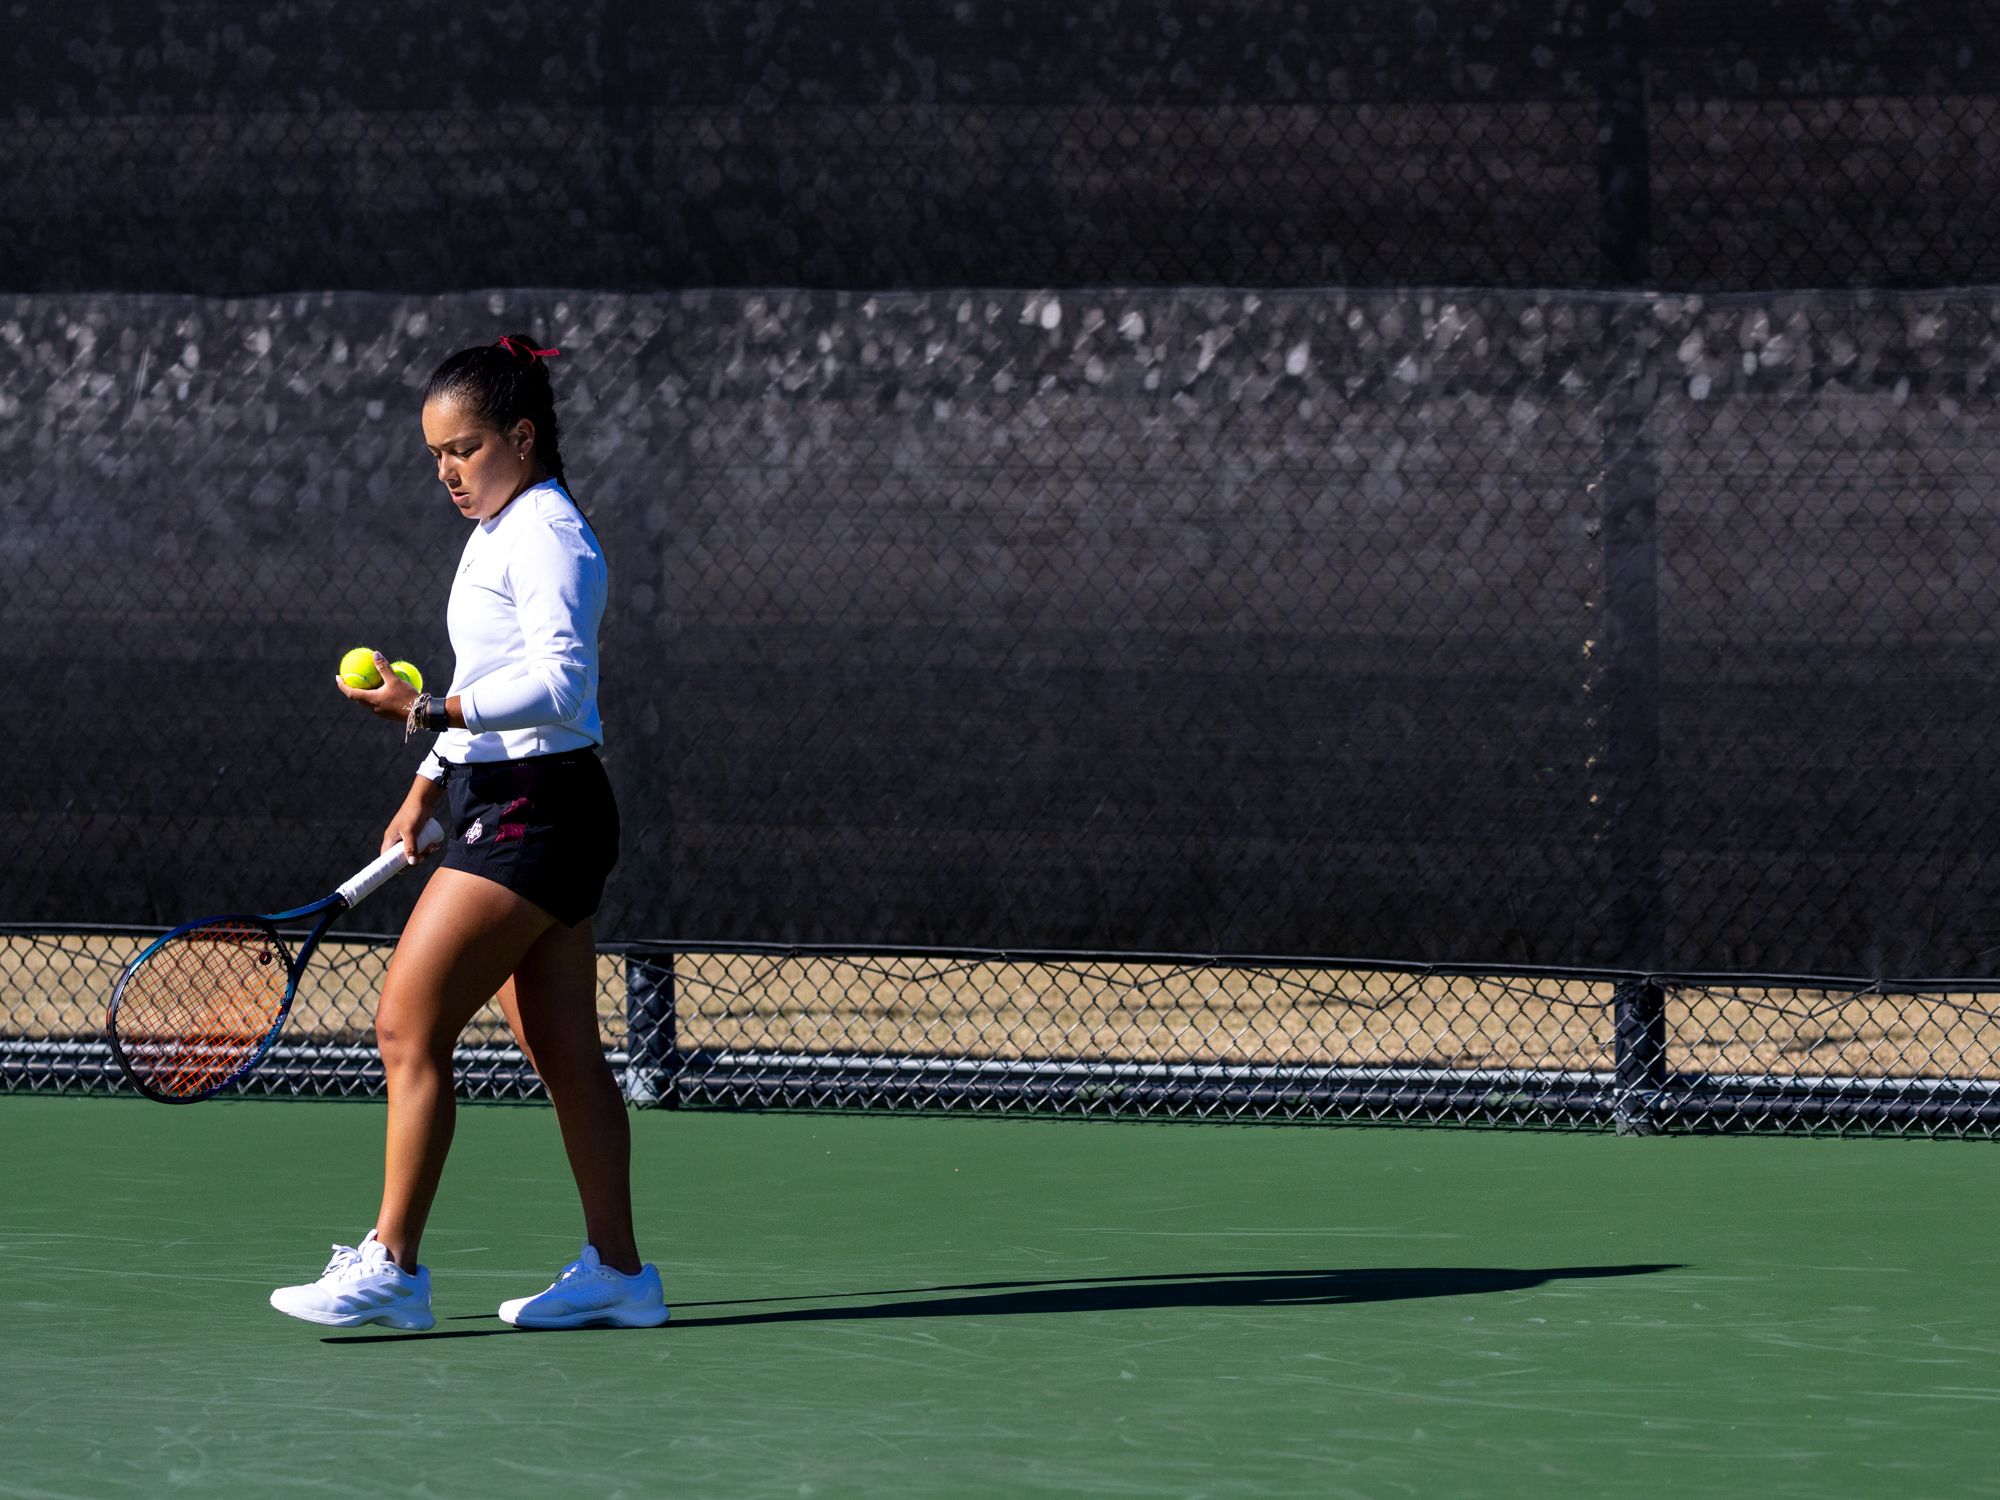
x=532, y=833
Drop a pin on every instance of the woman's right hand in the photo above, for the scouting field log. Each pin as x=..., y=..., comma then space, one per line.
x=410, y=819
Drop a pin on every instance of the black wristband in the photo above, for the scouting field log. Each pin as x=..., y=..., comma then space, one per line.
x=437, y=716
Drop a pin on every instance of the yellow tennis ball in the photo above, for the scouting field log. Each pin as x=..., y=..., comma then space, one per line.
x=357, y=668
x=407, y=670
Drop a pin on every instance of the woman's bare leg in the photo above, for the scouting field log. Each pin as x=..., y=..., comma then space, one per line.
x=551, y=1003
x=465, y=937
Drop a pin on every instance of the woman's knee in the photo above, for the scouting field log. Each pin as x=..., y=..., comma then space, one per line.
x=407, y=1040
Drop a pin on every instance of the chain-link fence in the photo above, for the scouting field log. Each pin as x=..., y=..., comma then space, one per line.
x=1621, y=630
x=1294, y=572
x=1137, y=1035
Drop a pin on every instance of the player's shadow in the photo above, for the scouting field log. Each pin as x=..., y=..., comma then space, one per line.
x=1223, y=1289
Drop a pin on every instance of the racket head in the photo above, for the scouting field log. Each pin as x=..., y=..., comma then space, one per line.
x=199, y=1009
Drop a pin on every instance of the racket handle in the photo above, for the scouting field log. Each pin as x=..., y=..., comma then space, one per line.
x=363, y=883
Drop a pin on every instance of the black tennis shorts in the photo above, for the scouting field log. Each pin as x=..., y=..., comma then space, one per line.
x=546, y=827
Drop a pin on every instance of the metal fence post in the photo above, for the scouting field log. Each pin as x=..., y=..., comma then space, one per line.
x=1631, y=810
x=650, y=1053
x=1624, y=143
x=1641, y=1036
x=1631, y=806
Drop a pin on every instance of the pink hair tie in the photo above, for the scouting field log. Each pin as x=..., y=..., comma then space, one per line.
x=514, y=346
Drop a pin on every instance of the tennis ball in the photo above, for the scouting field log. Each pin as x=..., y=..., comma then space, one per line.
x=357, y=668
x=407, y=670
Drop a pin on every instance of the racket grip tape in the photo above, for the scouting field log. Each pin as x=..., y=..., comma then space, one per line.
x=363, y=883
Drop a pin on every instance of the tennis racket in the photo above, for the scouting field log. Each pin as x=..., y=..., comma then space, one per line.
x=198, y=1010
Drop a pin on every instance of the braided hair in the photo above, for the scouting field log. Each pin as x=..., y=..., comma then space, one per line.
x=502, y=383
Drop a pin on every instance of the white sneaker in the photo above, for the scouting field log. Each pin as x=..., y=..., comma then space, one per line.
x=590, y=1293
x=361, y=1286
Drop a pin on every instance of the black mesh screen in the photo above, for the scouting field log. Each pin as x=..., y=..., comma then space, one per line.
x=431, y=145
x=1258, y=622
x=1507, y=482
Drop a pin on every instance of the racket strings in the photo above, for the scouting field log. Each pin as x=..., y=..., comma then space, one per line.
x=197, y=1011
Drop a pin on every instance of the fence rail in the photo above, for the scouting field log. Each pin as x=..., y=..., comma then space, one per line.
x=735, y=1025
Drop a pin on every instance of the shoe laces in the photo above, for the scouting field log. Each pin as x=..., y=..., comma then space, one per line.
x=349, y=1262
x=586, y=1267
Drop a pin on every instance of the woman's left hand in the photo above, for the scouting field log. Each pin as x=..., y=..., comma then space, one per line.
x=391, y=700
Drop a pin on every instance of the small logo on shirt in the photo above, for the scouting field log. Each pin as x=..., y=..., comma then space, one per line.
x=476, y=832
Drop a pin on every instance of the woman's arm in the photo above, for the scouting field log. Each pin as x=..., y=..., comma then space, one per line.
x=557, y=580
x=393, y=698
x=411, y=817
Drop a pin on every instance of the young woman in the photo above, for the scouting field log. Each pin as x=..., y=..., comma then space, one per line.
x=532, y=831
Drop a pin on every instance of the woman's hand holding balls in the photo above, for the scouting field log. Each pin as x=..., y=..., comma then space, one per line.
x=388, y=688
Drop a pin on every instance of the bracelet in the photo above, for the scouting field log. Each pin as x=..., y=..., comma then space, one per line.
x=437, y=714
x=415, y=718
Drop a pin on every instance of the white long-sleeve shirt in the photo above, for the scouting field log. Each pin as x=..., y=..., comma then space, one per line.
x=523, y=618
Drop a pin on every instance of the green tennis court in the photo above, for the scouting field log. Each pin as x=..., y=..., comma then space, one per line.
x=929, y=1306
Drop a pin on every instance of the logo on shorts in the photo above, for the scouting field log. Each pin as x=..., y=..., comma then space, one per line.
x=476, y=832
